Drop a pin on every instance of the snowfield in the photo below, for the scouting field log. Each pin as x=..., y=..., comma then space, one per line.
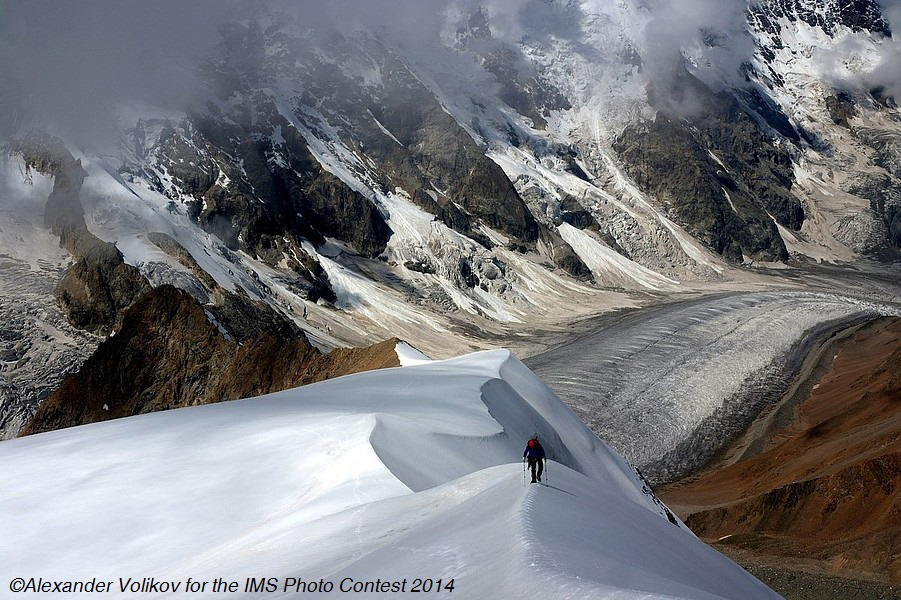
x=405, y=473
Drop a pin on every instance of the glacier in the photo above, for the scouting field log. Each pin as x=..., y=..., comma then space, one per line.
x=670, y=385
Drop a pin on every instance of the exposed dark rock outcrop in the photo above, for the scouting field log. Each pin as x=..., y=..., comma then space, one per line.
x=438, y=159
x=717, y=170
x=575, y=214
x=857, y=15
x=580, y=219
x=883, y=97
x=564, y=256
x=167, y=354
x=665, y=159
x=770, y=113
x=841, y=108
x=276, y=189
x=100, y=285
x=246, y=319
x=258, y=188
x=398, y=129
x=884, y=194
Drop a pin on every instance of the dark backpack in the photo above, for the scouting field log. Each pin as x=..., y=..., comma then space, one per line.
x=534, y=449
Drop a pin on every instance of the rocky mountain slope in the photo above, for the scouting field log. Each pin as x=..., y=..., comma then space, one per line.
x=499, y=170
x=168, y=355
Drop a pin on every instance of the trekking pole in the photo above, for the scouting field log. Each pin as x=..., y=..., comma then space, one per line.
x=523, y=472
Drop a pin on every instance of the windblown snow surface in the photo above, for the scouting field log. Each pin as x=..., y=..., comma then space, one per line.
x=413, y=472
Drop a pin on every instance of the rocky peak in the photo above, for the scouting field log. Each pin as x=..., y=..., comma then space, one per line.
x=856, y=15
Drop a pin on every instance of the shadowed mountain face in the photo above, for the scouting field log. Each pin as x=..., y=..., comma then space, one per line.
x=717, y=171
x=399, y=128
x=826, y=486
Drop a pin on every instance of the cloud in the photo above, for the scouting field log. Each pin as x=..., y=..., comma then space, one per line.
x=887, y=72
x=862, y=63
x=67, y=64
x=709, y=38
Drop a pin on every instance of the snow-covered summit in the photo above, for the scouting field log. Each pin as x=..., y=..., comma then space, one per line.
x=403, y=473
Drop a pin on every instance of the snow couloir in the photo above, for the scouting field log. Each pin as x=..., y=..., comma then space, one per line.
x=410, y=474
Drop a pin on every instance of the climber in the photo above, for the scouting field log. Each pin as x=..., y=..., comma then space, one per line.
x=535, y=456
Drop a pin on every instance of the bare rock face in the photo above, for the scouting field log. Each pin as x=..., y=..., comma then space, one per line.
x=100, y=285
x=407, y=138
x=563, y=255
x=277, y=189
x=246, y=319
x=667, y=161
x=445, y=153
x=253, y=182
x=168, y=354
x=716, y=169
x=841, y=108
x=857, y=15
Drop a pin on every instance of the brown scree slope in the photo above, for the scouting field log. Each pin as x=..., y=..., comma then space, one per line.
x=826, y=488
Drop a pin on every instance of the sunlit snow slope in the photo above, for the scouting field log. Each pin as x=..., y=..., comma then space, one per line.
x=401, y=473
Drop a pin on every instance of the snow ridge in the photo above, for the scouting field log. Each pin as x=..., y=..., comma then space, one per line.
x=398, y=473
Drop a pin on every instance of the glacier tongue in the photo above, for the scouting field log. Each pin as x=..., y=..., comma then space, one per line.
x=400, y=473
x=670, y=385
